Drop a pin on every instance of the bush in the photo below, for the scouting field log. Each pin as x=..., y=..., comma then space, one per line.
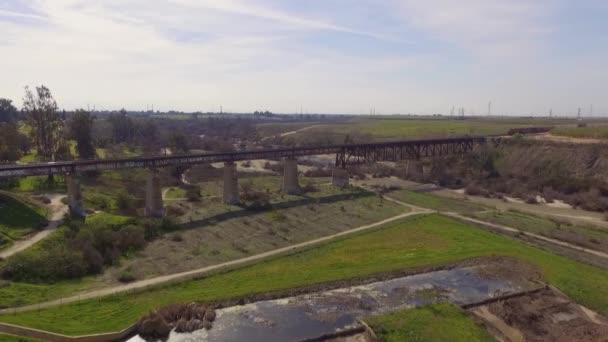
x=177, y=237
x=81, y=249
x=193, y=194
x=309, y=187
x=126, y=276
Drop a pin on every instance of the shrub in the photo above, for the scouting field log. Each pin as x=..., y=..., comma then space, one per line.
x=193, y=194
x=174, y=211
x=81, y=249
x=177, y=237
x=127, y=276
x=309, y=187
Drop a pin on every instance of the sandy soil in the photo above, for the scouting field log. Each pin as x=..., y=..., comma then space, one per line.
x=559, y=138
x=542, y=316
x=57, y=211
x=562, y=212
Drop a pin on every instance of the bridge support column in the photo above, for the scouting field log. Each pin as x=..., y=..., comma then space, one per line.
x=290, y=176
x=75, y=202
x=339, y=177
x=154, y=197
x=414, y=170
x=231, y=184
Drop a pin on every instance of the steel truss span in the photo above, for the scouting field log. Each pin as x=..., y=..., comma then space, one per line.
x=345, y=154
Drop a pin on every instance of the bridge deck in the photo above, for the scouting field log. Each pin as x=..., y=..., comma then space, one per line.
x=351, y=153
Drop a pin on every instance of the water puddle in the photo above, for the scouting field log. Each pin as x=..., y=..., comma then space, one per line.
x=316, y=314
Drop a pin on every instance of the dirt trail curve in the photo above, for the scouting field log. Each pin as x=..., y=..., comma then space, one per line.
x=184, y=276
x=57, y=210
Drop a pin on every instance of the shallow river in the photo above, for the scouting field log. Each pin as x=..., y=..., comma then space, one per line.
x=312, y=315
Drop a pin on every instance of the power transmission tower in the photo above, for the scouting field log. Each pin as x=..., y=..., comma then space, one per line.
x=579, y=113
x=452, y=111
x=489, y=108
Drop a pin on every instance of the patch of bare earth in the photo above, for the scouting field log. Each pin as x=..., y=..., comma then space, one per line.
x=542, y=316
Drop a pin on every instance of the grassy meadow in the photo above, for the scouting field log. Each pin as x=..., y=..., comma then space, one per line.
x=18, y=218
x=421, y=241
x=439, y=322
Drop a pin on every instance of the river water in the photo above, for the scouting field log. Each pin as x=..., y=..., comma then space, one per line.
x=316, y=314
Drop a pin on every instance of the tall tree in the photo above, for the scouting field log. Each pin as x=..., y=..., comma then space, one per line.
x=149, y=136
x=8, y=112
x=179, y=143
x=80, y=127
x=10, y=140
x=45, y=122
x=122, y=127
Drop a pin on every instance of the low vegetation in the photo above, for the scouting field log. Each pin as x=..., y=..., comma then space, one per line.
x=423, y=241
x=18, y=218
x=80, y=249
x=439, y=322
x=593, y=132
x=585, y=236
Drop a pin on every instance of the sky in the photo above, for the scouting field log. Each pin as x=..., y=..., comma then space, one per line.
x=317, y=56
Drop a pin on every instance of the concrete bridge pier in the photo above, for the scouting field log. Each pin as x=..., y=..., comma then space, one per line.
x=339, y=177
x=154, y=197
x=75, y=201
x=290, y=176
x=231, y=184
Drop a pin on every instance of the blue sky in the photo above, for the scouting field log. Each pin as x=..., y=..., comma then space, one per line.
x=330, y=56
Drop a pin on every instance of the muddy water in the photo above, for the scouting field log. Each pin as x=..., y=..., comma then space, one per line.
x=316, y=314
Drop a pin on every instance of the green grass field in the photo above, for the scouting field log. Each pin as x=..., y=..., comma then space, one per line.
x=14, y=294
x=10, y=338
x=175, y=192
x=410, y=128
x=435, y=202
x=594, y=132
x=412, y=243
x=439, y=322
x=18, y=219
x=586, y=236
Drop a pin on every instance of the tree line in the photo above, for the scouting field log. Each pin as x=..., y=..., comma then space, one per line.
x=41, y=127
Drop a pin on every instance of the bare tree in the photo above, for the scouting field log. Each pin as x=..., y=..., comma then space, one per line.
x=45, y=122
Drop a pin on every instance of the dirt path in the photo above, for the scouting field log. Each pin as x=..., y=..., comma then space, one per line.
x=291, y=132
x=517, y=231
x=565, y=139
x=543, y=210
x=205, y=271
x=57, y=210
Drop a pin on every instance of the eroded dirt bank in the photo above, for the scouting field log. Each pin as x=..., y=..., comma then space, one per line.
x=542, y=316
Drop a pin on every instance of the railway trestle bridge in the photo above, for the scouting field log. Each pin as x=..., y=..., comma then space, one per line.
x=347, y=154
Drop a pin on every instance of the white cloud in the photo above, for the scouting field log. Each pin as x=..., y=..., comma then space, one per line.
x=489, y=28
x=192, y=55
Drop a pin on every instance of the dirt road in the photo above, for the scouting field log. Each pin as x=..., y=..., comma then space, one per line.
x=57, y=211
x=291, y=132
x=205, y=271
x=565, y=139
